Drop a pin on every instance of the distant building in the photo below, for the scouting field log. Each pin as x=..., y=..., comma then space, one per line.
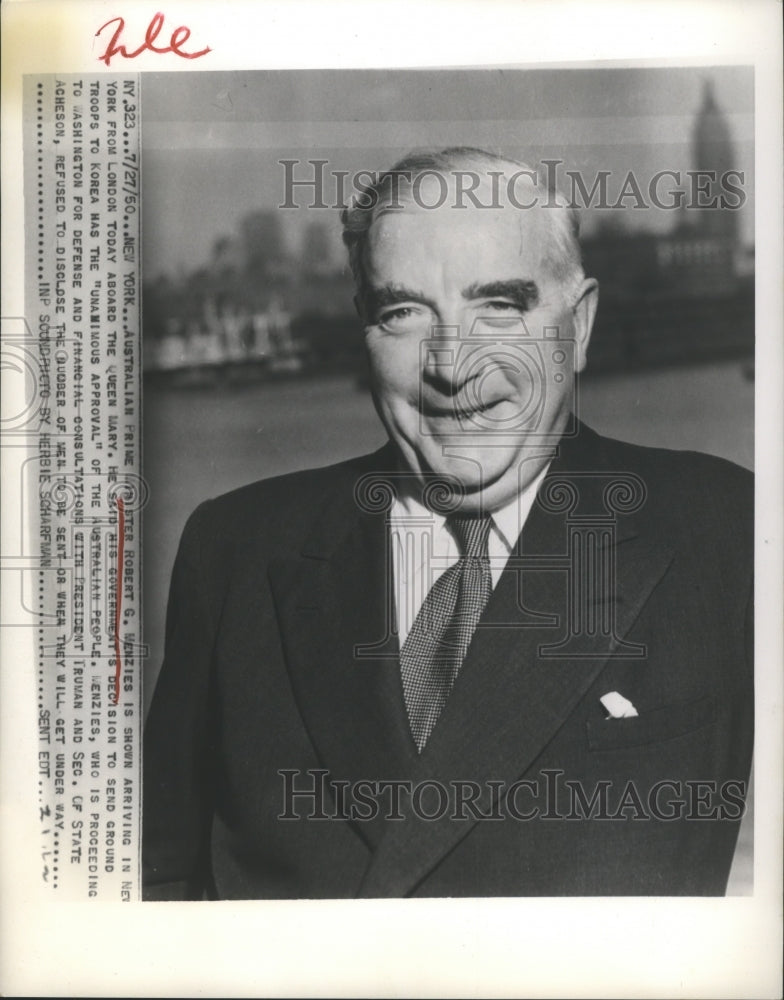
x=264, y=245
x=317, y=249
x=701, y=255
x=687, y=294
x=713, y=152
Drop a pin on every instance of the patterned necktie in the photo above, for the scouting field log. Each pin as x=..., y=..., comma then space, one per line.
x=439, y=638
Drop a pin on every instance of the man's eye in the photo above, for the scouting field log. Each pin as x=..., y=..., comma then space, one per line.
x=499, y=313
x=501, y=306
x=400, y=318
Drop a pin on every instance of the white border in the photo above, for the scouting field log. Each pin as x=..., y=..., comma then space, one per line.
x=577, y=947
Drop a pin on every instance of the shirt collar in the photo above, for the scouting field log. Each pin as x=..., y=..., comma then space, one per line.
x=508, y=521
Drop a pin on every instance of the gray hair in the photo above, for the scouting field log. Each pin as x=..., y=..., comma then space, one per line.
x=561, y=254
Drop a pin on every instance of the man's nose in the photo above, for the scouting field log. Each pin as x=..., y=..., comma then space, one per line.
x=449, y=362
x=440, y=359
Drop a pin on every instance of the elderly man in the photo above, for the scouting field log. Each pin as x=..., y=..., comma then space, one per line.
x=503, y=655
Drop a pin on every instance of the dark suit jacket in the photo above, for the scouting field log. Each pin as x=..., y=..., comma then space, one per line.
x=279, y=658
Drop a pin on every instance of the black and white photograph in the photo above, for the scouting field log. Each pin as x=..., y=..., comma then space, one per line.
x=478, y=629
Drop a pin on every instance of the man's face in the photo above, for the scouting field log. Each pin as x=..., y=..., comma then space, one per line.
x=472, y=344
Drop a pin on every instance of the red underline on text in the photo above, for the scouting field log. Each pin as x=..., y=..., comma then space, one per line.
x=118, y=602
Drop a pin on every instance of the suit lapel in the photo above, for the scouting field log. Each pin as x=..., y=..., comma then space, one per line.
x=513, y=694
x=336, y=621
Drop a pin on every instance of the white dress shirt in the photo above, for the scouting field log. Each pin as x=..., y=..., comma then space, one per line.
x=423, y=548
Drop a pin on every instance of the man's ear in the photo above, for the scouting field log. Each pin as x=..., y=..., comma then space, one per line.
x=583, y=314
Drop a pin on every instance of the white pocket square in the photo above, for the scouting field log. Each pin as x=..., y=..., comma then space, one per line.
x=617, y=706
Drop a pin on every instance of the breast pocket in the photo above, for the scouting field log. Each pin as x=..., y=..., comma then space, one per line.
x=655, y=726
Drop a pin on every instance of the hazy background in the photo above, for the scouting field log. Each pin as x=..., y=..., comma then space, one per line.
x=212, y=141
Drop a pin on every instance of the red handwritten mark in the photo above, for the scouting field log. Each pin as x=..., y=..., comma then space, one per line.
x=178, y=38
x=118, y=602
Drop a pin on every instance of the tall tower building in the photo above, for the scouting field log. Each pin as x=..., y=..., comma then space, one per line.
x=699, y=258
x=713, y=151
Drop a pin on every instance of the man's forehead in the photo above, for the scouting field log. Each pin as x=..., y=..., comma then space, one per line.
x=455, y=196
x=450, y=231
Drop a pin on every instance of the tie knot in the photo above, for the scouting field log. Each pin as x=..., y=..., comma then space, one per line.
x=471, y=534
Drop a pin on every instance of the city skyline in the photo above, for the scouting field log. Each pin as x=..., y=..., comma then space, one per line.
x=238, y=126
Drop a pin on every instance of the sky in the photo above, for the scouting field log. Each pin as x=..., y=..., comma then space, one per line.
x=212, y=142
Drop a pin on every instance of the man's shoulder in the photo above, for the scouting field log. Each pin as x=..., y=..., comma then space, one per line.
x=289, y=501
x=678, y=469
x=691, y=488
x=685, y=468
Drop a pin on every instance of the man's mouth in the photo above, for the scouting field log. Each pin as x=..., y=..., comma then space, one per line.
x=456, y=411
